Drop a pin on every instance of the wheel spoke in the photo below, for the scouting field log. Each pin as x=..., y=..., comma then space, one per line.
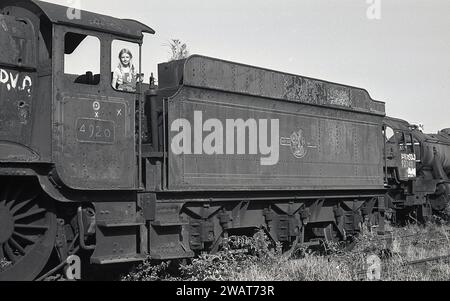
x=16, y=245
x=21, y=205
x=23, y=237
x=29, y=213
x=9, y=253
x=35, y=227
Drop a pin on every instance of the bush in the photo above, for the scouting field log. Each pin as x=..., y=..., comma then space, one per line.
x=238, y=254
x=149, y=270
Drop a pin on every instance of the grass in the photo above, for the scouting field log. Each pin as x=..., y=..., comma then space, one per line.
x=263, y=262
x=429, y=241
x=257, y=259
x=309, y=268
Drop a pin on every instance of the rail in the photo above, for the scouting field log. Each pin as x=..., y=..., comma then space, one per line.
x=365, y=272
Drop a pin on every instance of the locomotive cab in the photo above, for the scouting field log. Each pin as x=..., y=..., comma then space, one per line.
x=60, y=106
x=401, y=151
x=95, y=144
x=66, y=136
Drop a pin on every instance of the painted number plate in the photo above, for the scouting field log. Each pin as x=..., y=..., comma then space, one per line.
x=409, y=165
x=95, y=130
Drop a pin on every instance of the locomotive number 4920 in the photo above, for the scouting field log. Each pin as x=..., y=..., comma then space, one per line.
x=95, y=130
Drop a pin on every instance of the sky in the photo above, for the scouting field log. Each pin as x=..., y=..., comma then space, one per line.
x=398, y=50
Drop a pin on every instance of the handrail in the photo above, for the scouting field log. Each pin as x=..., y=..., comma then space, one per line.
x=81, y=231
x=140, y=121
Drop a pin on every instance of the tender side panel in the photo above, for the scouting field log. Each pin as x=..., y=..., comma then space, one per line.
x=228, y=141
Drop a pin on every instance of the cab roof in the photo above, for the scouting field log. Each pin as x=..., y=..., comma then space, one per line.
x=58, y=14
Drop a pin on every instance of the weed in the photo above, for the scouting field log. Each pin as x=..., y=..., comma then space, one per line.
x=150, y=270
x=236, y=256
x=257, y=258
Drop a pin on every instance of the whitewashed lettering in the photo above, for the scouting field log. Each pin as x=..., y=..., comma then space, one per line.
x=14, y=80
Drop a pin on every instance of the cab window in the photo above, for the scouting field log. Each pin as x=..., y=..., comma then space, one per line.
x=388, y=134
x=124, y=66
x=400, y=136
x=82, y=58
x=405, y=141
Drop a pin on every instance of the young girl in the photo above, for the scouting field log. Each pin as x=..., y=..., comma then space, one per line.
x=124, y=77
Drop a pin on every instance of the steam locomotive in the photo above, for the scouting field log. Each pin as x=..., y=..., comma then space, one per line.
x=215, y=149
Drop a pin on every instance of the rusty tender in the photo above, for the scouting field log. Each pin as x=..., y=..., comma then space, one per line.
x=216, y=149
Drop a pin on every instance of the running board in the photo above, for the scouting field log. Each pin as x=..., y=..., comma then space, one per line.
x=117, y=259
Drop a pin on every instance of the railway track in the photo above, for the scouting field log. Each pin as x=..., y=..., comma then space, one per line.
x=395, y=252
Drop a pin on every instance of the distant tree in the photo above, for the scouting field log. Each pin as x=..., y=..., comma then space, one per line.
x=179, y=50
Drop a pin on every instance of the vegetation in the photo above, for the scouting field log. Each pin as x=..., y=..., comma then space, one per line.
x=258, y=259
x=179, y=50
x=237, y=254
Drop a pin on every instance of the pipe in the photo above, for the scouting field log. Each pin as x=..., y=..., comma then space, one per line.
x=55, y=269
x=81, y=231
x=140, y=186
x=151, y=93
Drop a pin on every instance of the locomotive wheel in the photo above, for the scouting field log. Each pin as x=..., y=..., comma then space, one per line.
x=27, y=229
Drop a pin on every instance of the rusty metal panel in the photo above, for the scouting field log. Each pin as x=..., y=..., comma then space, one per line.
x=25, y=61
x=17, y=80
x=93, y=127
x=211, y=73
x=117, y=232
x=95, y=142
x=229, y=141
x=17, y=89
x=16, y=123
x=435, y=145
x=41, y=136
x=17, y=43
